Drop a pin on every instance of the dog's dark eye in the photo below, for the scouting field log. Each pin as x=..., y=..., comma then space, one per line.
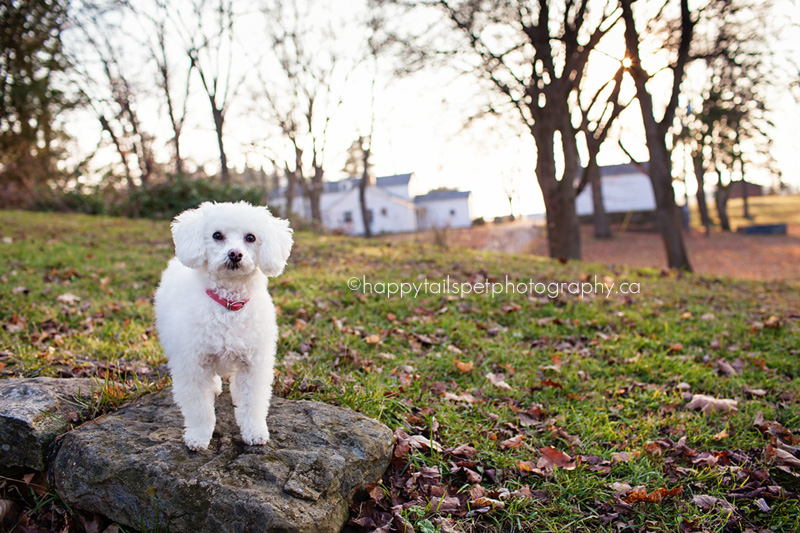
x=217, y=236
x=250, y=237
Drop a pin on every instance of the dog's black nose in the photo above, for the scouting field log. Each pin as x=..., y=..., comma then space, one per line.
x=235, y=256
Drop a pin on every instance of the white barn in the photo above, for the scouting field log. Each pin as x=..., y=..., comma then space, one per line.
x=391, y=203
x=387, y=213
x=626, y=188
x=444, y=209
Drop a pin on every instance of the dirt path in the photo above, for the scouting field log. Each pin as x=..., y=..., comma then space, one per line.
x=764, y=257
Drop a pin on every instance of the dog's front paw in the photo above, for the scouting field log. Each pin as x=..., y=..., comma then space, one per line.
x=256, y=437
x=197, y=439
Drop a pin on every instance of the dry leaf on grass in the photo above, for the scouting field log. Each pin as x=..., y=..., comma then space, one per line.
x=725, y=368
x=709, y=404
x=779, y=434
x=706, y=502
x=512, y=443
x=498, y=380
x=640, y=495
x=721, y=435
x=463, y=367
x=420, y=442
x=622, y=457
x=552, y=458
x=466, y=397
x=782, y=456
x=68, y=298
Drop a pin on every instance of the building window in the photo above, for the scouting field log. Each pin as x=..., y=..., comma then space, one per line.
x=452, y=212
x=384, y=212
x=348, y=217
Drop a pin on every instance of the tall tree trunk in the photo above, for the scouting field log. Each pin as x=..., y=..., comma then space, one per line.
x=315, y=193
x=721, y=199
x=563, y=229
x=291, y=183
x=745, y=199
x=362, y=192
x=668, y=216
x=699, y=174
x=219, y=119
x=602, y=229
x=362, y=200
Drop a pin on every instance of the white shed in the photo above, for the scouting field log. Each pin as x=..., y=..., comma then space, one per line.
x=389, y=213
x=626, y=188
x=444, y=209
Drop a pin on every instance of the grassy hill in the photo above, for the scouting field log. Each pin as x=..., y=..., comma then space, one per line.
x=762, y=209
x=669, y=407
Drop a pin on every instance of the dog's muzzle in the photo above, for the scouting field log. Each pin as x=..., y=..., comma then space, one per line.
x=234, y=260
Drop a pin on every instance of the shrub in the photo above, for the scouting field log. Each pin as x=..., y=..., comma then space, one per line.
x=165, y=200
x=161, y=200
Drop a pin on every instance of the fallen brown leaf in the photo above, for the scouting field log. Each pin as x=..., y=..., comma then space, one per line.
x=463, y=367
x=782, y=456
x=547, y=382
x=512, y=443
x=554, y=458
x=725, y=368
x=709, y=404
x=498, y=380
x=640, y=495
x=706, y=502
x=466, y=397
x=721, y=435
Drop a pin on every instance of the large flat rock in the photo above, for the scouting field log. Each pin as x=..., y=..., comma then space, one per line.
x=133, y=467
x=33, y=412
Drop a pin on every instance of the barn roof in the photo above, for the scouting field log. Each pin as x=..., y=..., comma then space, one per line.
x=435, y=196
x=624, y=169
x=392, y=181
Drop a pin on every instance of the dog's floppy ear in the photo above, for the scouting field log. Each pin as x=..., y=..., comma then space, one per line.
x=276, y=244
x=187, y=232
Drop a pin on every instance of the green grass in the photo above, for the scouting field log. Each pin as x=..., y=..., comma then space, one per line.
x=603, y=371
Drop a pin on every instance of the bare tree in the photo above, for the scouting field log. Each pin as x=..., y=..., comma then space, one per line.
x=359, y=163
x=739, y=77
x=103, y=77
x=176, y=103
x=596, y=125
x=656, y=130
x=533, y=56
x=303, y=90
x=209, y=40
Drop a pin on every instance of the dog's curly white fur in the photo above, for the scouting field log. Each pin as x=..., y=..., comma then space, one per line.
x=227, y=249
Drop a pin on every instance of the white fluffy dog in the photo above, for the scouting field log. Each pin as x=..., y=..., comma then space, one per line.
x=215, y=317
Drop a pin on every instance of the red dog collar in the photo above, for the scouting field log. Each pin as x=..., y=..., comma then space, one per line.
x=229, y=305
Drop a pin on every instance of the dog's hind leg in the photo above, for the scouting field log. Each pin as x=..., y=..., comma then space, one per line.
x=253, y=390
x=194, y=393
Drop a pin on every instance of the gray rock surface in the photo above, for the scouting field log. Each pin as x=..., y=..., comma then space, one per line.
x=33, y=412
x=133, y=467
